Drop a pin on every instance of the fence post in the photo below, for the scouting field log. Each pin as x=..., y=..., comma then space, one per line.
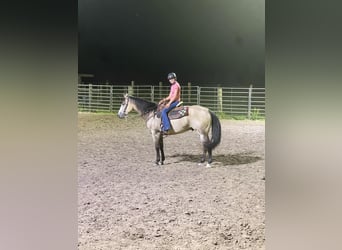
x=198, y=95
x=152, y=93
x=189, y=92
x=90, y=93
x=132, y=88
x=160, y=90
x=250, y=100
x=219, y=99
x=111, y=98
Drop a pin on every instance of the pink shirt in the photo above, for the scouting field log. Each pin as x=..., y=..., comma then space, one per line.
x=175, y=92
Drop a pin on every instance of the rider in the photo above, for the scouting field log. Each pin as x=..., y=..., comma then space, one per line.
x=171, y=101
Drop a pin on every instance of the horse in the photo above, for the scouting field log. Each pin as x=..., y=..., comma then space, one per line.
x=198, y=118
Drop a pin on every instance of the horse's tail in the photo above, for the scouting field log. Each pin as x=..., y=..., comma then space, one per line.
x=216, y=131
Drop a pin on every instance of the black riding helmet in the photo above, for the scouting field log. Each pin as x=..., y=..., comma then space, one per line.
x=171, y=76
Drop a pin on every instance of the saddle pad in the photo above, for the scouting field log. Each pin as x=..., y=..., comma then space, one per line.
x=177, y=113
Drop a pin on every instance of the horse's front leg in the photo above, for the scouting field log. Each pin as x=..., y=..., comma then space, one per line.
x=161, y=144
x=155, y=137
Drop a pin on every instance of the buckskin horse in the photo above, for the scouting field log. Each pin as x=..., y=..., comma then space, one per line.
x=182, y=119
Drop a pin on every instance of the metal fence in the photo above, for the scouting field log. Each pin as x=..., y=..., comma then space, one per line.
x=233, y=102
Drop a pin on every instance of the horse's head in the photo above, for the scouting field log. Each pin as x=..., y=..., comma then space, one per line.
x=126, y=107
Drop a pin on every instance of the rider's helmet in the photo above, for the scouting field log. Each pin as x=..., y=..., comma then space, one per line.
x=171, y=76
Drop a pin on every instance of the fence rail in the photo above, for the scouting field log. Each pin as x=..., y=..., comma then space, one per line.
x=234, y=102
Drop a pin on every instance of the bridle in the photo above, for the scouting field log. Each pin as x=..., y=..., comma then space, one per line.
x=145, y=115
x=126, y=105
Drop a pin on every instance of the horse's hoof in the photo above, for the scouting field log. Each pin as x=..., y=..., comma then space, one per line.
x=208, y=165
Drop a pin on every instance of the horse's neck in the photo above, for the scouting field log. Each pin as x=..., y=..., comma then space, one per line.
x=140, y=109
x=145, y=115
x=136, y=109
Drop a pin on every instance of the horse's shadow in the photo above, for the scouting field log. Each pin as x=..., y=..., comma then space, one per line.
x=224, y=159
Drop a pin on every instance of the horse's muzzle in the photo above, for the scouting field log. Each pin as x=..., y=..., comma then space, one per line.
x=121, y=115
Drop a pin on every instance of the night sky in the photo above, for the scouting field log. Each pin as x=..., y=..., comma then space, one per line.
x=205, y=42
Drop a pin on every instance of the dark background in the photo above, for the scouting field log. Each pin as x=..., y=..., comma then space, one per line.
x=204, y=42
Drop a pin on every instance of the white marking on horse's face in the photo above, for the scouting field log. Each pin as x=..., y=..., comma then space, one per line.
x=123, y=111
x=125, y=107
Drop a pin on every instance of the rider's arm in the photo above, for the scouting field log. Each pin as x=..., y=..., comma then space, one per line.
x=164, y=100
x=167, y=98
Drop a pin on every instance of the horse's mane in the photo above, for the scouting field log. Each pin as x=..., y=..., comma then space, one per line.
x=143, y=105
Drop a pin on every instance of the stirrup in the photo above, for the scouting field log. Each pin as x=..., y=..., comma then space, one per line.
x=180, y=103
x=165, y=133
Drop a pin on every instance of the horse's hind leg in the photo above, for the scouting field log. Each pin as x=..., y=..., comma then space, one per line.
x=204, y=154
x=210, y=156
x=204, y=139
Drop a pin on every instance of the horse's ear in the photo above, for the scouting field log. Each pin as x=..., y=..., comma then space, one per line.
x=125, y=95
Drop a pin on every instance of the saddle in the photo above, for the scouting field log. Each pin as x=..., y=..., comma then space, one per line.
x=175, y=113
